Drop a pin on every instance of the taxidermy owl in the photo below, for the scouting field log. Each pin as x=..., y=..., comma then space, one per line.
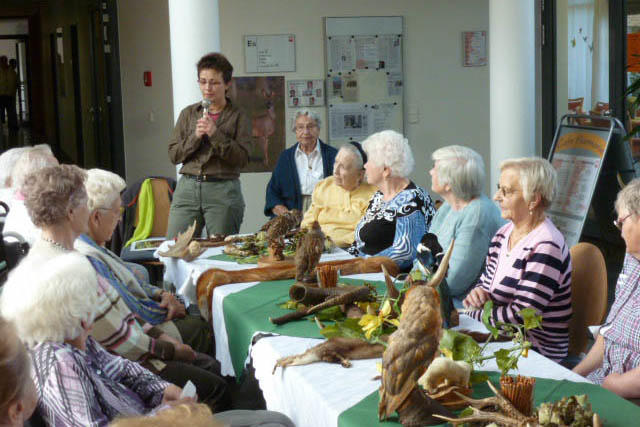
x=411, y=348
x=277, y=228
x=308, y=254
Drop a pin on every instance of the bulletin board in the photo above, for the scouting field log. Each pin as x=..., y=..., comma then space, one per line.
x=365, y=79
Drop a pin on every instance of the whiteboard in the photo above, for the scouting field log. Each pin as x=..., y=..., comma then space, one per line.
x=270, y=53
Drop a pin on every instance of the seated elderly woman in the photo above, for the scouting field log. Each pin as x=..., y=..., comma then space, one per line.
x=78, y=382
x=338, y=202
x=400, y=212
x=32, y=160
x=300, y=167
x=56, y=200
x=614, y=359
x=528, y=264
x=18, y=396
x=7, y=160
x=467, y=215
x=147, y=302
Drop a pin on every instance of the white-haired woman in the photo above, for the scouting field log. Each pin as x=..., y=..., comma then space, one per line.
x=614, y=359
x=338, y=202
x=31, y=160
x=7, y=161
x=148, y=302
x=400, y=212
x=300, y=167
x=18, y=395
x=528, y=264
x=467, y=215
x=78, y=382
x=57, y=202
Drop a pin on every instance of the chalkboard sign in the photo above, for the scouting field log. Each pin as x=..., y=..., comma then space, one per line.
x=577, y=154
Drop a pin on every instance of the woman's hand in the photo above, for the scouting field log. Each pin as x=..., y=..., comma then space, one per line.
x=184, y=353
x=172, y=394
x=174, y=308
x=205, y=126
x=279, y=210
x=476, y=298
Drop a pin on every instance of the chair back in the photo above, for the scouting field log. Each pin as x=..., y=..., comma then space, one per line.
x=162, y=203
x=588, y=294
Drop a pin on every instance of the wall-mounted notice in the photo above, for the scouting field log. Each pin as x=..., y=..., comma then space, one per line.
x=474, y=48
x=305, y=93
x=270, y=53
x=365, y=79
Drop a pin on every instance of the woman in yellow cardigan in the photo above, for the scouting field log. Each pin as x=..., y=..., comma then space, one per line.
x=339, y=201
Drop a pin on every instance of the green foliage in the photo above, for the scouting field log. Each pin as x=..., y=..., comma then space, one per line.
x=466, y=412
x=348, y=328
x=459, y=346
x=329, y=314
x=291, y=305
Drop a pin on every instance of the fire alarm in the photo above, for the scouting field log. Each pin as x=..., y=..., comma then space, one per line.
x=146, y=77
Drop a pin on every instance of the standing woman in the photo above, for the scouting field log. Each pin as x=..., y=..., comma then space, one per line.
x=528, y=264
x=212, y=143
x=400, y=212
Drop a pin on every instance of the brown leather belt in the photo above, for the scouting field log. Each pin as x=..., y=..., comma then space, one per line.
x=205, y=178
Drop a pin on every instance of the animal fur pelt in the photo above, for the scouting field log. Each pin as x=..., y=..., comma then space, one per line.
x=214, y=277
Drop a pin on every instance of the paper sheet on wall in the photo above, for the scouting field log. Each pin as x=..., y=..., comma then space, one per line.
x=336, y=86
x=389, y=53
x=348, y=121
x=341, y=53
x=366, y=52
x=305, y=93
x=270, y=53
x=350, y=89
x=394, y=84
x=382, y=117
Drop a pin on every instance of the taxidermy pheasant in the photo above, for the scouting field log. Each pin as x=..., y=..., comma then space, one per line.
x=411, y=349
x=308, y=254
x=277, y=228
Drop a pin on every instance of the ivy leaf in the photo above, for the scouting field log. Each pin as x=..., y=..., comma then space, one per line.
x=487, y=312
x=531, y=318
x=348, y=328
x=331, y=313
x=504, y=360
x=466, y=412
x=459, y=346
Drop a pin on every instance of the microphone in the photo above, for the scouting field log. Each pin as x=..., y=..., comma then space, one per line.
x=205, y=107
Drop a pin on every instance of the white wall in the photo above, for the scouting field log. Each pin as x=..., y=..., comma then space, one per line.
x=452, y=101
x=143, y=27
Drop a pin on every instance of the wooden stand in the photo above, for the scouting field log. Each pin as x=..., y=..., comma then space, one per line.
x=267, y=261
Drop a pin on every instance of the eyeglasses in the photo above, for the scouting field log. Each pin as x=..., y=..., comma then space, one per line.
x=301, y=128
x=506, y=192
x=620, y=222
x=203, y=82
x=120, y=210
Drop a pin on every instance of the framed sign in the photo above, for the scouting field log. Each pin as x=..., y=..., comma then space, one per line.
x=474, y=48
x=270, y=53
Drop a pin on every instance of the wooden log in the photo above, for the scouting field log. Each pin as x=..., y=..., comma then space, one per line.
x=214, y=277
x=361, y=293
x=311, y=295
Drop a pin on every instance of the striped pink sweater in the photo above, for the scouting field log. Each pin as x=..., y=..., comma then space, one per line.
x=535, y=273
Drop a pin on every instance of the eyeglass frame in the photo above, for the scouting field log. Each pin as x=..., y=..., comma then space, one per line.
x=120, y=210
x=301, y=128
x=618, y=223
x=505, y=193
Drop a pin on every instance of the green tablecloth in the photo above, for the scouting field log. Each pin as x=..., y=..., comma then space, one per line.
x=614, y=410
x=221, y=257
x=248, y=311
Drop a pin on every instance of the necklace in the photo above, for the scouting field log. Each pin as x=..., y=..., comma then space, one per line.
x=55, y=244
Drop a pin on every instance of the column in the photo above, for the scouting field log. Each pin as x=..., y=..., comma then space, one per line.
x=194, y=27
x=512, y=81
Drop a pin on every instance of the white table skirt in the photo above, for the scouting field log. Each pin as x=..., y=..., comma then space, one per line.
x=217, y=318
x=184, y=275
x=316, y=394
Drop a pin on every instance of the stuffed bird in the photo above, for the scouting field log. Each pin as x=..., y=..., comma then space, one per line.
x=308, y=254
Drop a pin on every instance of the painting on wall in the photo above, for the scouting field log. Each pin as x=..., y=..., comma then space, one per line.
x=262, y=99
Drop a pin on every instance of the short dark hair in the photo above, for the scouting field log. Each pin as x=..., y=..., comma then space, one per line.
x=216, y=61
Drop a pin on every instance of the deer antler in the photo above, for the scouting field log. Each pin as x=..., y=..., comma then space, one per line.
x=441, y=272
